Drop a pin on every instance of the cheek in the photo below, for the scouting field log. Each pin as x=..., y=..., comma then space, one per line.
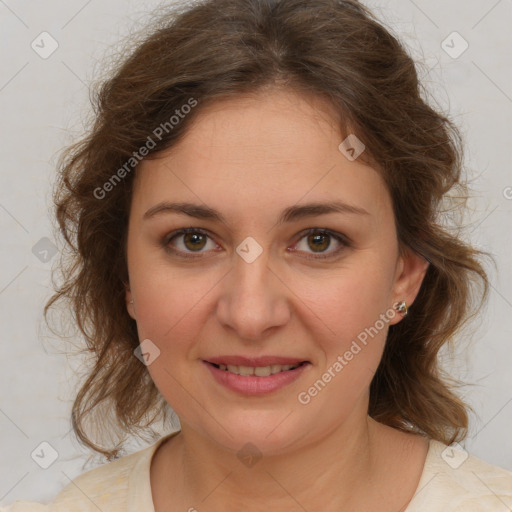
x=357, y=310
x=354, y=298
x=167, y=296
x=171, y=310
x=169, y=306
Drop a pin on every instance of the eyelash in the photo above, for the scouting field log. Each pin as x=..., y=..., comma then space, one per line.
x=338, y=237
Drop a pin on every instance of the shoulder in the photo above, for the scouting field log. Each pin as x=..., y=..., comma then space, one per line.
x=104, y=488
x=109, y=488
x=455, y=481
x=25, y=506
x=100, y=488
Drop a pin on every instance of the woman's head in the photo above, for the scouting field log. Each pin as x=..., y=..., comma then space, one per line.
x=241, y=107
x=252, y=286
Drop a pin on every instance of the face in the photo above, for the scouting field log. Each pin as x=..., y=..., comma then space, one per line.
x=259, y=282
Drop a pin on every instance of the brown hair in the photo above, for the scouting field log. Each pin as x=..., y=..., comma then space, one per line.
x=216, y=49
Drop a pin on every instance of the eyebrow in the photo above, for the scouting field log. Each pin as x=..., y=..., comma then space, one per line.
x=290, y=214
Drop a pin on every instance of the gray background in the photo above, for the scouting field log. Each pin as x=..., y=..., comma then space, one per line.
x=44, y=101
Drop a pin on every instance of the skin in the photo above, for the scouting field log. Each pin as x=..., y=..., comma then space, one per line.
x=250, y=157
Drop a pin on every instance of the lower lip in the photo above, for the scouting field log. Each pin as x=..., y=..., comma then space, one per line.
x=252, y=385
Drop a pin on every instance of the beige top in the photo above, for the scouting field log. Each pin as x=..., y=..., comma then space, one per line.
x=451, y=481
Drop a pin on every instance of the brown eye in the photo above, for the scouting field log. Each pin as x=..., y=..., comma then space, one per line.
x=187, y=241
x=318, y=241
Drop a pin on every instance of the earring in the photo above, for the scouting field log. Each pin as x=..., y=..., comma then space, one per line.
x=131, y=302
x=401, y=307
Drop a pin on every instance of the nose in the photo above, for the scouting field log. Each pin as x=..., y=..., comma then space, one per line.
x=254, y=301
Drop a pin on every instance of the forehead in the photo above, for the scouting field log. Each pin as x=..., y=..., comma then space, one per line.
x=259, y=151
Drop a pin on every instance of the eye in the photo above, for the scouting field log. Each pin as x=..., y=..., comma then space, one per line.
x=320, y=240
x=194, y=240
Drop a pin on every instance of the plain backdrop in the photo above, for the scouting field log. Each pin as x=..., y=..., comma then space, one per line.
x=44, y=99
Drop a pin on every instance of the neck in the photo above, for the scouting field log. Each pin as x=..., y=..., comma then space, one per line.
x=340, y=470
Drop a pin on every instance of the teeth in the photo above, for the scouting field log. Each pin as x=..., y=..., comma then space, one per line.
x=259, y=371
x=243, y=370
x=263, y=371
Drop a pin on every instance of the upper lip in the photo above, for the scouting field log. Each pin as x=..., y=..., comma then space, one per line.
x=254, y=361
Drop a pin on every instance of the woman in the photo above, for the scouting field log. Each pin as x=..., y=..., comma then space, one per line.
x=255, y=221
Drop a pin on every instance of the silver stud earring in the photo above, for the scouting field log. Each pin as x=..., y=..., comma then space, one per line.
x=401, y=307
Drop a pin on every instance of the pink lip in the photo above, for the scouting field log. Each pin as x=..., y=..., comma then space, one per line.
x=254, y=361
x=253, y=385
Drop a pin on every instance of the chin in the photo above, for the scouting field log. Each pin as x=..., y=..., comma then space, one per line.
x=266, y=433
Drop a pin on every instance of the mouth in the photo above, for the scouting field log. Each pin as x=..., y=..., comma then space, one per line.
x=257, y=371
x=256, y=376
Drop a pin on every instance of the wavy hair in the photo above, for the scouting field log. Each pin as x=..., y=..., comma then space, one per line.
x=215, y=49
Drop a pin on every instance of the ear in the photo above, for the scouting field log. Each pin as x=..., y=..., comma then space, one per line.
x=129, y=304
x=410, y=271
